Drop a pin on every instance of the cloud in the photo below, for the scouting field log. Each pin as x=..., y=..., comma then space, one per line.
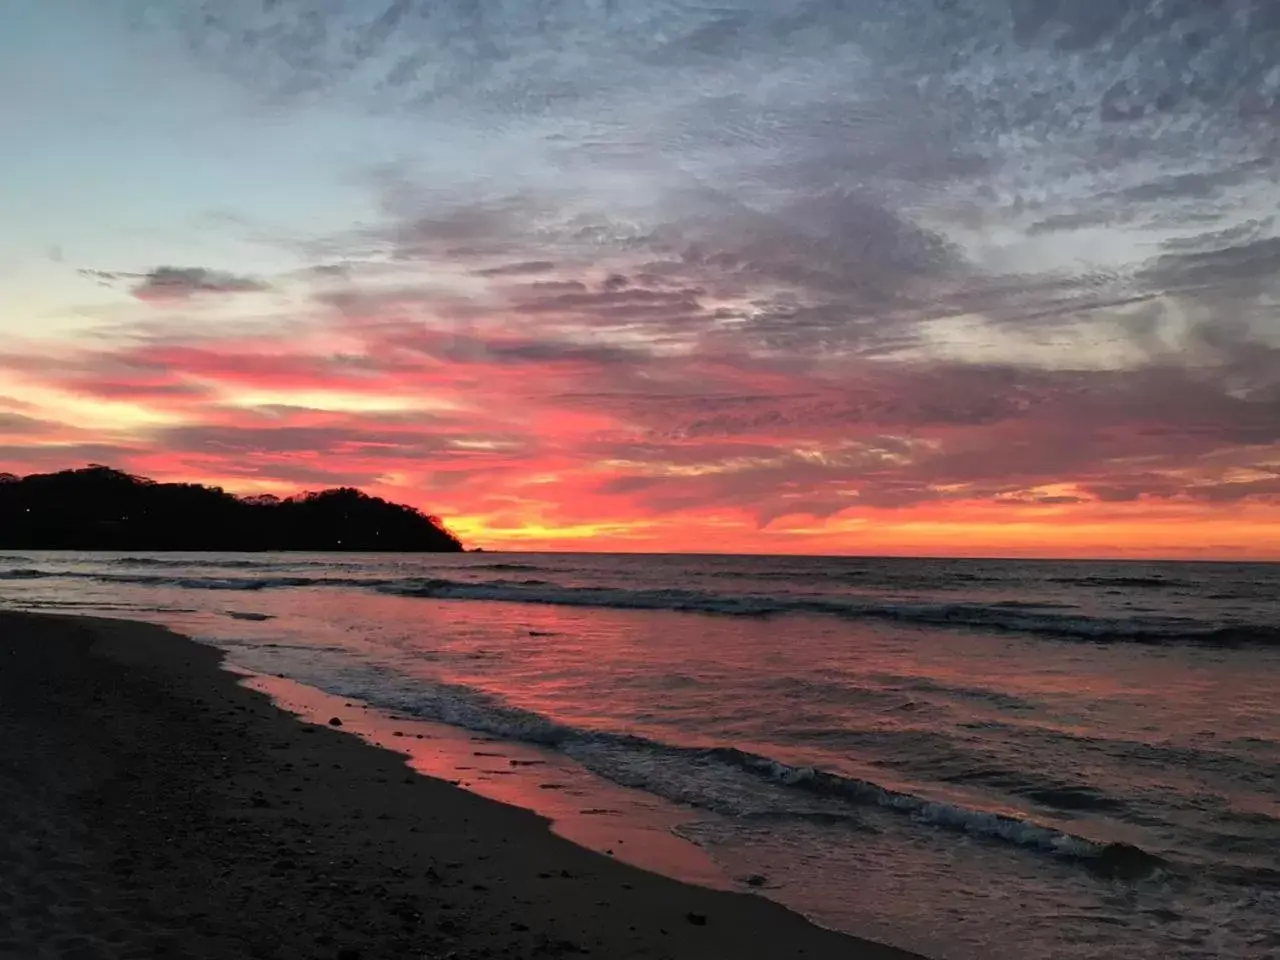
x=30, y=458
x=1252, y=262
x=17, y=423
x=627, y=432
x=181, y=283
x=840, y=211
x=283, y=440
x=501, y=352
x=524, y=268
x=159, y=392
x=177, y=283
x=685, y=267
x=715, y=378
x=104, y=277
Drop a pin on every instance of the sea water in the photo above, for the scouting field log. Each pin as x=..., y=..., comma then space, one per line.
x=953, y=756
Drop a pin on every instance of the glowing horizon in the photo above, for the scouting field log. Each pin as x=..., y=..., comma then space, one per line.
x=664, y=279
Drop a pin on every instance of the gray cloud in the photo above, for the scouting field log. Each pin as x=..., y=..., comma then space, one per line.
x=540, y=351
x=524, y=268
x=301, y=474
x=177, y=283
x=848, y=205
x=60, y=456
x=17, y=423
x=1250, y=261
x=139, y=391
x=180, y=283
x=216, y=438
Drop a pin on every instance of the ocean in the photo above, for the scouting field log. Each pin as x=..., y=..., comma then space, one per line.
x=968, y=758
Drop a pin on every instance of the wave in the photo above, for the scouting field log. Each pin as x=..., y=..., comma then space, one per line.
x=94, y=607
x=229, y=583
x=174, y=580
x=1140, y=582
x=1118, y=860
x=896, y=576
x=737, y=782
x=202, y=562
x=197, y=582
x=23, y=573
x=1031, y=605
x=1043, y=619
x=997, y=698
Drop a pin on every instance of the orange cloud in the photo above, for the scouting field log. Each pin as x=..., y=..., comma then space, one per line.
x=602, y=414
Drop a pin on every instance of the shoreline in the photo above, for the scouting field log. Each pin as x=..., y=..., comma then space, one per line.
x=155, y=805
x=608, y=819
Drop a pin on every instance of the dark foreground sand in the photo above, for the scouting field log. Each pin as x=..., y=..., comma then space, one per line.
x=152, y=807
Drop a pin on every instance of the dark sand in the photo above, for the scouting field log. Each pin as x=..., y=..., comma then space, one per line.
x=152, y=807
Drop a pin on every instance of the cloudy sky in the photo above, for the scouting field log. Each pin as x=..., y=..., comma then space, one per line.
x=854, y=276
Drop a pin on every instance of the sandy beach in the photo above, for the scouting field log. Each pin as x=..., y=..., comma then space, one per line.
x=152, y=806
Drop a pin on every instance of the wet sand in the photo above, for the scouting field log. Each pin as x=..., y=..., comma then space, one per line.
x=150, y=806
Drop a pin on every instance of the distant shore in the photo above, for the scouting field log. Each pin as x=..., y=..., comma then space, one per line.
x=152, y=806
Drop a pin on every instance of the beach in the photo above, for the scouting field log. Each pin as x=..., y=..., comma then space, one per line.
x=154, y=806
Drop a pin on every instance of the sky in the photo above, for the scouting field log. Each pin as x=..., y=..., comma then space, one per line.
x=944, y=277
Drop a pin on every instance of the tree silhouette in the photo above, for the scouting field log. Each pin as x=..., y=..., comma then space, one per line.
x=101, y=508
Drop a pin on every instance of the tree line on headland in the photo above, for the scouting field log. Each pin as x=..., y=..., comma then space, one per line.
x=100, y=508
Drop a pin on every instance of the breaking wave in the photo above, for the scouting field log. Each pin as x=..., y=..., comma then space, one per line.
x=737, y=782
x=23, y=573
x=1044, y=619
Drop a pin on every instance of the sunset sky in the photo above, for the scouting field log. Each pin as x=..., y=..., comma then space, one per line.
x=988, y=277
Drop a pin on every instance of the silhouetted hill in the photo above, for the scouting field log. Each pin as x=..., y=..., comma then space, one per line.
x=99, y=508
